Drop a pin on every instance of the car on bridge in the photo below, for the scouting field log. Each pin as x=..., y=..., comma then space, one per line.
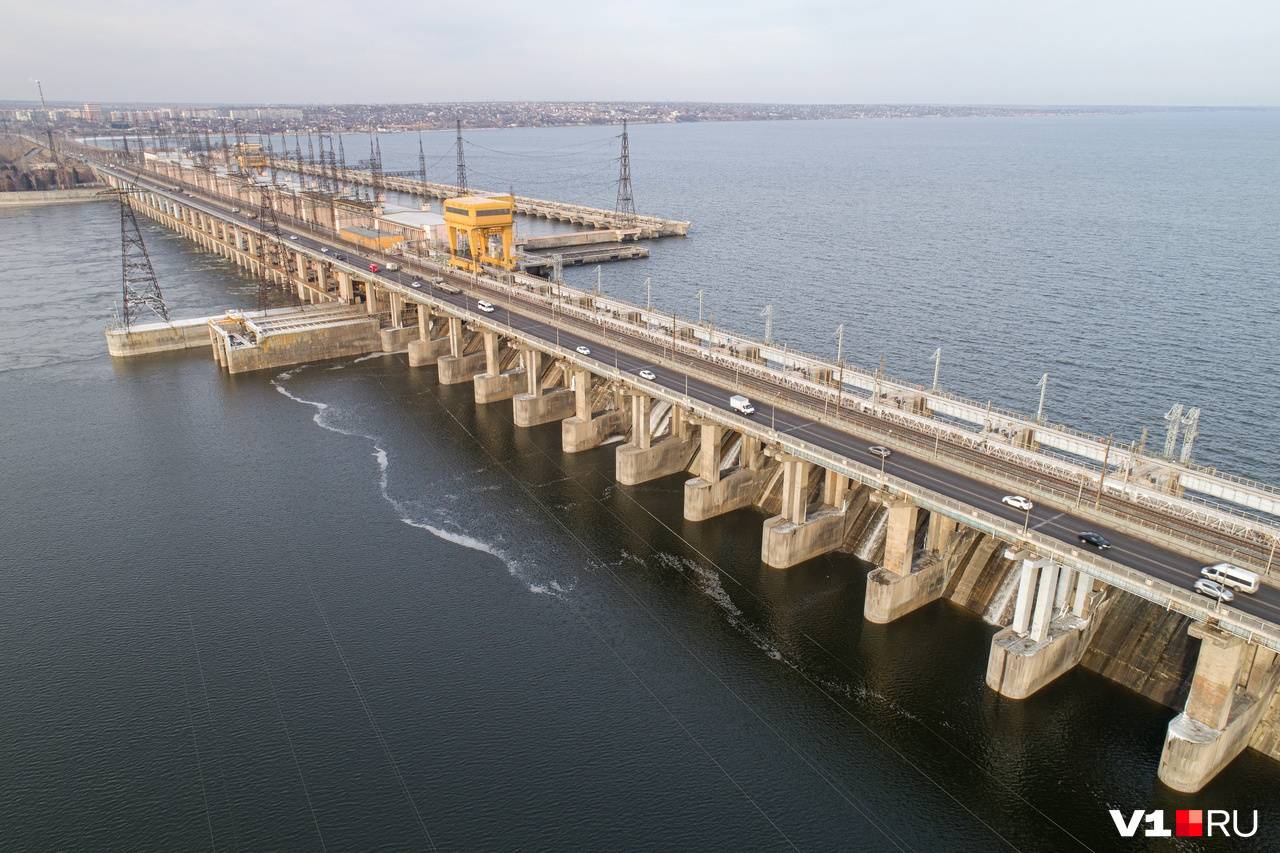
x=1097, y=540
x=879, y=450
x=648, y=374
x=486, y=307
x=1018, y=502
x=293, y=236
x=584, y=351
x=374, y=268
x=1213, y=589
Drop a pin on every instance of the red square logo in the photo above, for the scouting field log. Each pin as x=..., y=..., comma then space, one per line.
x=1189, y=822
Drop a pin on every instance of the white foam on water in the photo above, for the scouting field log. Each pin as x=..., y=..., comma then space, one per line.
x=456, y=537
x=371, y=355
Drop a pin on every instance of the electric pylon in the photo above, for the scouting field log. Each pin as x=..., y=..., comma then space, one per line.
x=626, y=205
x=462, y=164
x=141, y=289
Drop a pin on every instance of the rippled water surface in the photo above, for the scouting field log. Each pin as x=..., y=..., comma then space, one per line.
x=339, y=607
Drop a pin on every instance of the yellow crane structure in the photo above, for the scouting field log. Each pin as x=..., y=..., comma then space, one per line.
x=480, y=230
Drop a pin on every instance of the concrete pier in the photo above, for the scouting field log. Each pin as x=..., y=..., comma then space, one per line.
x=643, y=458
x=714, y=492
x=585, y=429
x=148, y=338
x=796, y=534
x=1044, y=642
x=1233, y=687
x=901, y=585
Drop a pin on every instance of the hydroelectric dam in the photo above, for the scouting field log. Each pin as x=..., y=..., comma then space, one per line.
x=837, y=457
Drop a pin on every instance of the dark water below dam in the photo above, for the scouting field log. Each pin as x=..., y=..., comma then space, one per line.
x=340, y=607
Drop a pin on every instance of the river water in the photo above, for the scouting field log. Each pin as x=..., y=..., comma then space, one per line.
x=340, y=608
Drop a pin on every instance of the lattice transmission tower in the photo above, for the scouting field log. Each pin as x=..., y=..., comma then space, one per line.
x=141, y=288
x=273, y=253
x=462, y=164
x=626, y=205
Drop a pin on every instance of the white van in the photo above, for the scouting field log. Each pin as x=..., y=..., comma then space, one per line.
x=741, y=404
x=1232, y=576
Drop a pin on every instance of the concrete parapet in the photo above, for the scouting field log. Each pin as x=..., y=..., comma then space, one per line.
x=578, y=434
x=491, y=389
x=395, y=340
x=787, y=543
x=634, y=465
x=1223, y=709
x=532, y=410
x=733, y=490
x=891, y=595
x=424, y=353
x=456, y=369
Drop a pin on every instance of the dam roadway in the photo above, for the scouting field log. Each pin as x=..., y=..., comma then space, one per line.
x=779, y=410
x=1065, y=592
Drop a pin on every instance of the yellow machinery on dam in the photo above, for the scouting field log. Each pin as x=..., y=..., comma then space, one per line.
x=480, y=230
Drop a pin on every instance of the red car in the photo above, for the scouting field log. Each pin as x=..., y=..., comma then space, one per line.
x=374, y=268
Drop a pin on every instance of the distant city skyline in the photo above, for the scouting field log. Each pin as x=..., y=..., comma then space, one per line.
x=915, y=52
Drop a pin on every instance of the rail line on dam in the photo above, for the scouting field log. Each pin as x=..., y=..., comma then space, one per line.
x=805, y=447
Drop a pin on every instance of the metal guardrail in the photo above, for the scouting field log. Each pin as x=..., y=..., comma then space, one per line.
x=1114, y=574
x=837, y=403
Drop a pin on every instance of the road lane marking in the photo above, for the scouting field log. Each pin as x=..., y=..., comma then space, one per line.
x=1047, y=520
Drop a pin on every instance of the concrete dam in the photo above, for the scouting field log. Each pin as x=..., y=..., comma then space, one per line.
x=927, y=512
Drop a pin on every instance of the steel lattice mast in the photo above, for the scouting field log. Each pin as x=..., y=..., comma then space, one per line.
x=626, y=205
x=141, y=288
x=462, y=164
x=273, y=255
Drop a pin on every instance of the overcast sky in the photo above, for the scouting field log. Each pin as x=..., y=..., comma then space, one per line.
x=1174, y=52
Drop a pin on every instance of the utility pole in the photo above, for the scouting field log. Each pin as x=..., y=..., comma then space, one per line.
x=937, y=366
x=699, y=307
x=839, y=366
x=1043, y=384
x=422, y=170
x=648, y=286
x=1102, y=478
x=767, y=314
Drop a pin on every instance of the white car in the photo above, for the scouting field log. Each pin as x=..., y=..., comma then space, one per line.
x=324, y=249
x=1018, y=502
x=1213, y=589
x=293, y=236
x=416, y=283
x=486, y=307
x=879, y=450
x=583, y=351
x=648, y=374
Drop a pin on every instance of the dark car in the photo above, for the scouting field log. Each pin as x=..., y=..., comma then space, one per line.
x=338, y=257
x=1088, y=537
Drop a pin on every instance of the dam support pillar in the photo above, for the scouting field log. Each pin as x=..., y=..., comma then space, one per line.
x=644, y=459
x=494, y=385
x=797, y=535
x=456, y=368
x=714, y=492
x=1046, y=638
x=537, y=406
x=904, y=584
x=585, y=429
x=1233, y=686
x=424, y=350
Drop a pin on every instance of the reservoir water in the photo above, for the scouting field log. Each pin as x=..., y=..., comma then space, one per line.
x=341, y=608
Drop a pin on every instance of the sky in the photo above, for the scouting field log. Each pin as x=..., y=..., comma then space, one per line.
x=1087, y=52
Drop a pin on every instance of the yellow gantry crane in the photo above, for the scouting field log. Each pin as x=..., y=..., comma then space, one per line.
x=480, y=230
